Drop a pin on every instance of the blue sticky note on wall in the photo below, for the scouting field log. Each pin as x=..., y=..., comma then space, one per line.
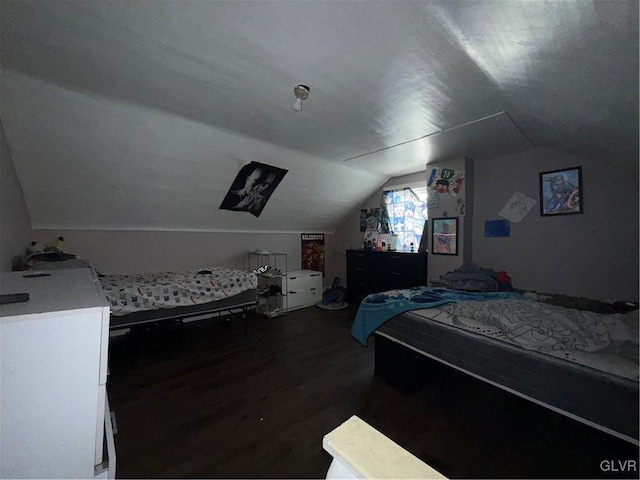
x=497, y=228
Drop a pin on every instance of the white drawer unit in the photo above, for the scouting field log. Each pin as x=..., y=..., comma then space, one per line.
x=303, y=288
x=53, y=374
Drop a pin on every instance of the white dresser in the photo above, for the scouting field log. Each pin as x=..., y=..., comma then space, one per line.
x=54, y=419
x=303, y=288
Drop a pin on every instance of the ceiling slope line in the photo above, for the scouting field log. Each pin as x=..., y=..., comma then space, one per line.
x=177, y=230
x=434, y=134
x=533, y=145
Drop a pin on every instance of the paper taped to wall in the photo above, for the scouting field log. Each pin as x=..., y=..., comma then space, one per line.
x=517, y=207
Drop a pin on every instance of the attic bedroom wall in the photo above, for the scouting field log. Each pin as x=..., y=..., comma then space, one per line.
x=14, y=217
x=594, y=254
x=133, y=189
x=121, y=252
x=441, y=264
x=348, y=235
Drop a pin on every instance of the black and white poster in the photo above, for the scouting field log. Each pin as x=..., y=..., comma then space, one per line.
x=252, y=188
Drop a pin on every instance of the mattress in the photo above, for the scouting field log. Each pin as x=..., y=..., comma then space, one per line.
x=243, y=299
x=581, y=390
x=129, y=294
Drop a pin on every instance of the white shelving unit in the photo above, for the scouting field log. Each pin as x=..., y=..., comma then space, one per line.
x=271, y=269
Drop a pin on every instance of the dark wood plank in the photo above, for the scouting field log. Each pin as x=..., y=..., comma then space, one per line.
x=207, y=401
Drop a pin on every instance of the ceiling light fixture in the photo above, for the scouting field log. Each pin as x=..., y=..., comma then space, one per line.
x=302, y=93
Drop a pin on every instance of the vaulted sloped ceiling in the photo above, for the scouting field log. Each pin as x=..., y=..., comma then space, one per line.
x=139, y=114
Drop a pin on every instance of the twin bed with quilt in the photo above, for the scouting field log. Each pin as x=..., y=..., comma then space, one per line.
x=580, y=363
x=145, y=298
x=137, y=299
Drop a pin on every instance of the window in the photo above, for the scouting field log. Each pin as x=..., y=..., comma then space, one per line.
x=404, y=213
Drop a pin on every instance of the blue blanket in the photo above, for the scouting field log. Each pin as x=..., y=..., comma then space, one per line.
x=377, y=308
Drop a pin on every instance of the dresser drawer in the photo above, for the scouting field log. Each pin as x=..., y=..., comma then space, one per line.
x=373, y=271
x=358, y=289
x=303, y=289
x=362, y=263
x=398, y=262
x=302, y=299
x=305, y=280
x=295, y=284
x=406, y=271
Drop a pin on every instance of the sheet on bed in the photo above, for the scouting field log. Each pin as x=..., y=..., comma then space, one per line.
x=608, y=343
x=150, y=291
x=377, y=308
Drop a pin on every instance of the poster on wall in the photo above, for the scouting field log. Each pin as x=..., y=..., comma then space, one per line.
x=561, y=192
x=446, y=181
x=369, y=219
x=444, y=236
x=313, y=252
x=252, y=188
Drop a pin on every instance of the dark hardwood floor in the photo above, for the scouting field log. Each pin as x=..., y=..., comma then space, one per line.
x=207, y=401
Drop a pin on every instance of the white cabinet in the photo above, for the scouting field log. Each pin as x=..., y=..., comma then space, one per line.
x=303, y=288
x=53, y=374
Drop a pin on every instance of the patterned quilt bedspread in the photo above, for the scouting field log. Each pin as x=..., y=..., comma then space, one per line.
x=149, y=291
x=607, y=343
x=378, y=308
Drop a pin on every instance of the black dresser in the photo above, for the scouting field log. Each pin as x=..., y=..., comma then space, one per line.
x=371, y=271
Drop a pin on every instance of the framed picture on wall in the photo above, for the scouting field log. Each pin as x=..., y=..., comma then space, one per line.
x=561, y=192
x=444, y=236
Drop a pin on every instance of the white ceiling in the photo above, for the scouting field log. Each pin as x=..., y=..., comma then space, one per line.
x=149, y=109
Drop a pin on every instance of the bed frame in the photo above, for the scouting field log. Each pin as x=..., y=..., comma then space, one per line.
x=238, y=304
x=606, y=402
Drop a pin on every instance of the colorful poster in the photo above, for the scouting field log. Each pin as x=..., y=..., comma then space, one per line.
x=444, y=237
x=561, y=192
x=369, y=219
x=313, y=252
x=445, y=181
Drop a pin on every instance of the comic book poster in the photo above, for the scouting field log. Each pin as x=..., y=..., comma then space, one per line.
x=313, y=252
x=369, y=219
x=561, y=192
x=445, y=181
